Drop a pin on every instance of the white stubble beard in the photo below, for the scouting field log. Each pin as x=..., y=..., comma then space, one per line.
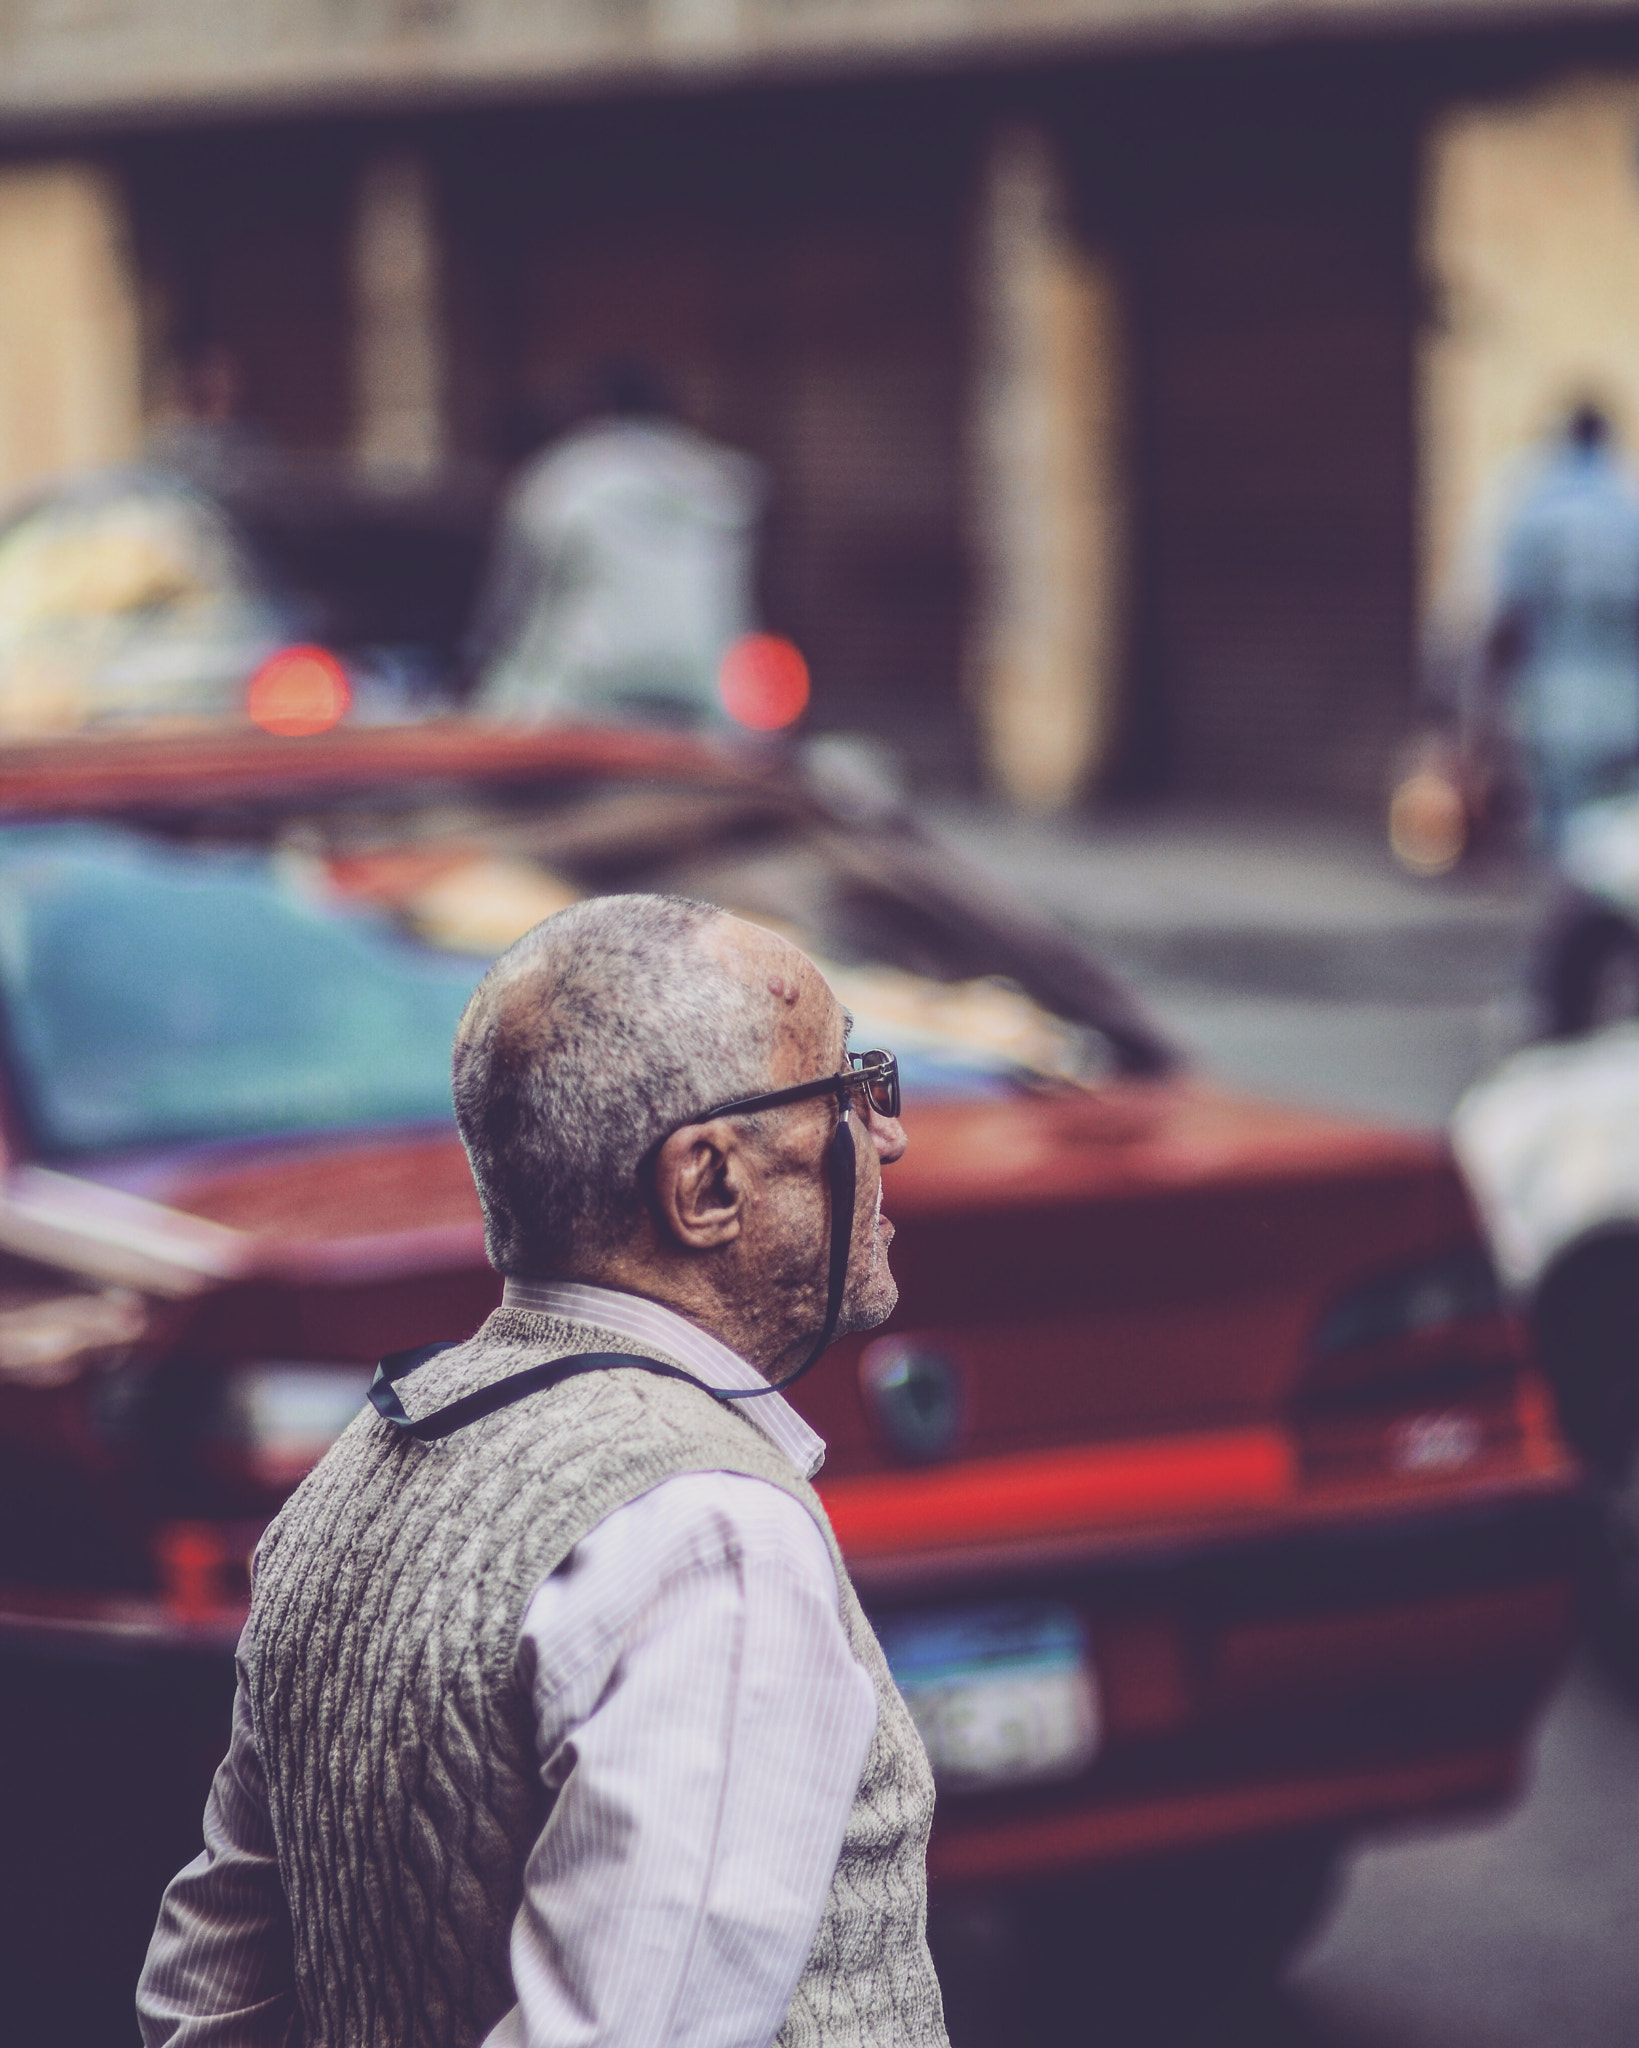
x=872, y=1295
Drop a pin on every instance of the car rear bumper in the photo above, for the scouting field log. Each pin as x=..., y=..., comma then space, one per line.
x=1325, y=1676
x=1321, y=1675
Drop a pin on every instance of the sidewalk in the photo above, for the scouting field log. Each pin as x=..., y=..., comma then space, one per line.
x=1289, y=957
x=1258, y=905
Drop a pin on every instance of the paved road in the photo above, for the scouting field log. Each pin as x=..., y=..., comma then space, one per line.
x=1518, y=1934
x=1299, y=963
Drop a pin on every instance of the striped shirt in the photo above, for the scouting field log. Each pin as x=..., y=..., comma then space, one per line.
x=632, y=1316
x=702, y=1725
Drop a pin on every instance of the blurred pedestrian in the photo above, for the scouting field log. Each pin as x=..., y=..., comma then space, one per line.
x=1563, y=651
x=623, y=568
x=558, y=1718
x=203, y=433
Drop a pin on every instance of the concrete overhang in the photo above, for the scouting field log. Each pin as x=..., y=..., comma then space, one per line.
x=75, y=65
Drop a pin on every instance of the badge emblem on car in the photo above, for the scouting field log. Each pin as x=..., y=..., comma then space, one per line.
x=915, y=1395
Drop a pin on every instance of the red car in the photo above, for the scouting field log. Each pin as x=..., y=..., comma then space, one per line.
x=1207, y=1502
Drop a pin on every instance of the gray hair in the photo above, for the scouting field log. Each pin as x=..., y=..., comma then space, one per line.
x=587, y=1043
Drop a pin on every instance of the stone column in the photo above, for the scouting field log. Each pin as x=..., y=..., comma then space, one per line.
x=1047, y=486
x=70, y=337
x=398, y=323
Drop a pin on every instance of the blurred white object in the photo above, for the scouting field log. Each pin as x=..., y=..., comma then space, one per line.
x=1550, y=1146
x=1601, y=851
x=956, y=1020
x=623, y=575
x=1436, y=1443
x=288, y=1412
x=855, y=774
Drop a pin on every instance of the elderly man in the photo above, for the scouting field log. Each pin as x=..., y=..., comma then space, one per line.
x=558, y=1720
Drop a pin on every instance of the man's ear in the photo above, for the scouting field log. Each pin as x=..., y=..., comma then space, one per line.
x=700, y=1185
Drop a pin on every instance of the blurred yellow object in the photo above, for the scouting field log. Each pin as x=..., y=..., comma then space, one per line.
x=126, y=599
x=914, y=1013
x=988, y=1015
x=484, y=904
x=131, y=555
x=44, y=691
x=1428, y=822
x=48, y=1340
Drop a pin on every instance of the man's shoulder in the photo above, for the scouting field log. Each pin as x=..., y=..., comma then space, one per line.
x=709, y=1520
x=516, y=1489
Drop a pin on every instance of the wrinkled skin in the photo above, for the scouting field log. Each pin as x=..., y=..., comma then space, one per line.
x=739, y=1234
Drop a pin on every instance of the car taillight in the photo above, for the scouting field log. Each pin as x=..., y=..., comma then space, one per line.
x=1444, y=1315
x=1415, y=1372
x=298, y=692
x=1436, y=1294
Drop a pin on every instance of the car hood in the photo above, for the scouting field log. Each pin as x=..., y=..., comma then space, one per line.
x=358, y=1206
x=312, y=1210
x=1148, y=1257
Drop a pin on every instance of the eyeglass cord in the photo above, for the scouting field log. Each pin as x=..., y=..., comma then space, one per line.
x=841, y=1166
x=384, y=1398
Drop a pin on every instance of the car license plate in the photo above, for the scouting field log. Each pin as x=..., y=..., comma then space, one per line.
x=1002, y=1695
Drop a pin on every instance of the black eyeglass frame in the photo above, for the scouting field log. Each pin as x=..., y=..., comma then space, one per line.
x=866, y=1071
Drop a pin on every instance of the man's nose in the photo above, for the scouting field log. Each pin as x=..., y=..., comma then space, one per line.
x=888, y=1136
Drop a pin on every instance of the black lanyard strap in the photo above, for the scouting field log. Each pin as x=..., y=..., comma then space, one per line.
x=534, y=1379
x=517, y=1386
x=841, y=1170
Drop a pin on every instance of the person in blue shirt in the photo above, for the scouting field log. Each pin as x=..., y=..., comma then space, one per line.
x=1564, y=645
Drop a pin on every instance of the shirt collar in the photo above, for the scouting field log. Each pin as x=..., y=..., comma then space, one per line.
x=630, y=1315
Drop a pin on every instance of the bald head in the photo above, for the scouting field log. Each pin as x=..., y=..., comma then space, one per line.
x=588, y=1041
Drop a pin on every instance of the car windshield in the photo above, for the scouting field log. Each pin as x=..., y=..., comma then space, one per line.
x=154, y=995
x=300, y=971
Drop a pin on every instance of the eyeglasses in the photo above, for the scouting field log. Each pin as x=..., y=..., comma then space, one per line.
x=876, y=1074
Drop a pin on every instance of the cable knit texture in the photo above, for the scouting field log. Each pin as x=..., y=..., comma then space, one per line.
x=398, y=1740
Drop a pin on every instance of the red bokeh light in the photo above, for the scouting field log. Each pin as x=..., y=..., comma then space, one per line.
x=298, y=691
x=764, y=682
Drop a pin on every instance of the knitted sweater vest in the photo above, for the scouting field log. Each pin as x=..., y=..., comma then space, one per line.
x=398, y=1741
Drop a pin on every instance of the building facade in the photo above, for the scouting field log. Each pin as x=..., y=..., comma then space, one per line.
x=1114, y=361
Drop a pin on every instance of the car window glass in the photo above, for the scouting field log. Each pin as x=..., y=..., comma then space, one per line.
x=278, y=970
x=152, y=995
x=918, y=976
